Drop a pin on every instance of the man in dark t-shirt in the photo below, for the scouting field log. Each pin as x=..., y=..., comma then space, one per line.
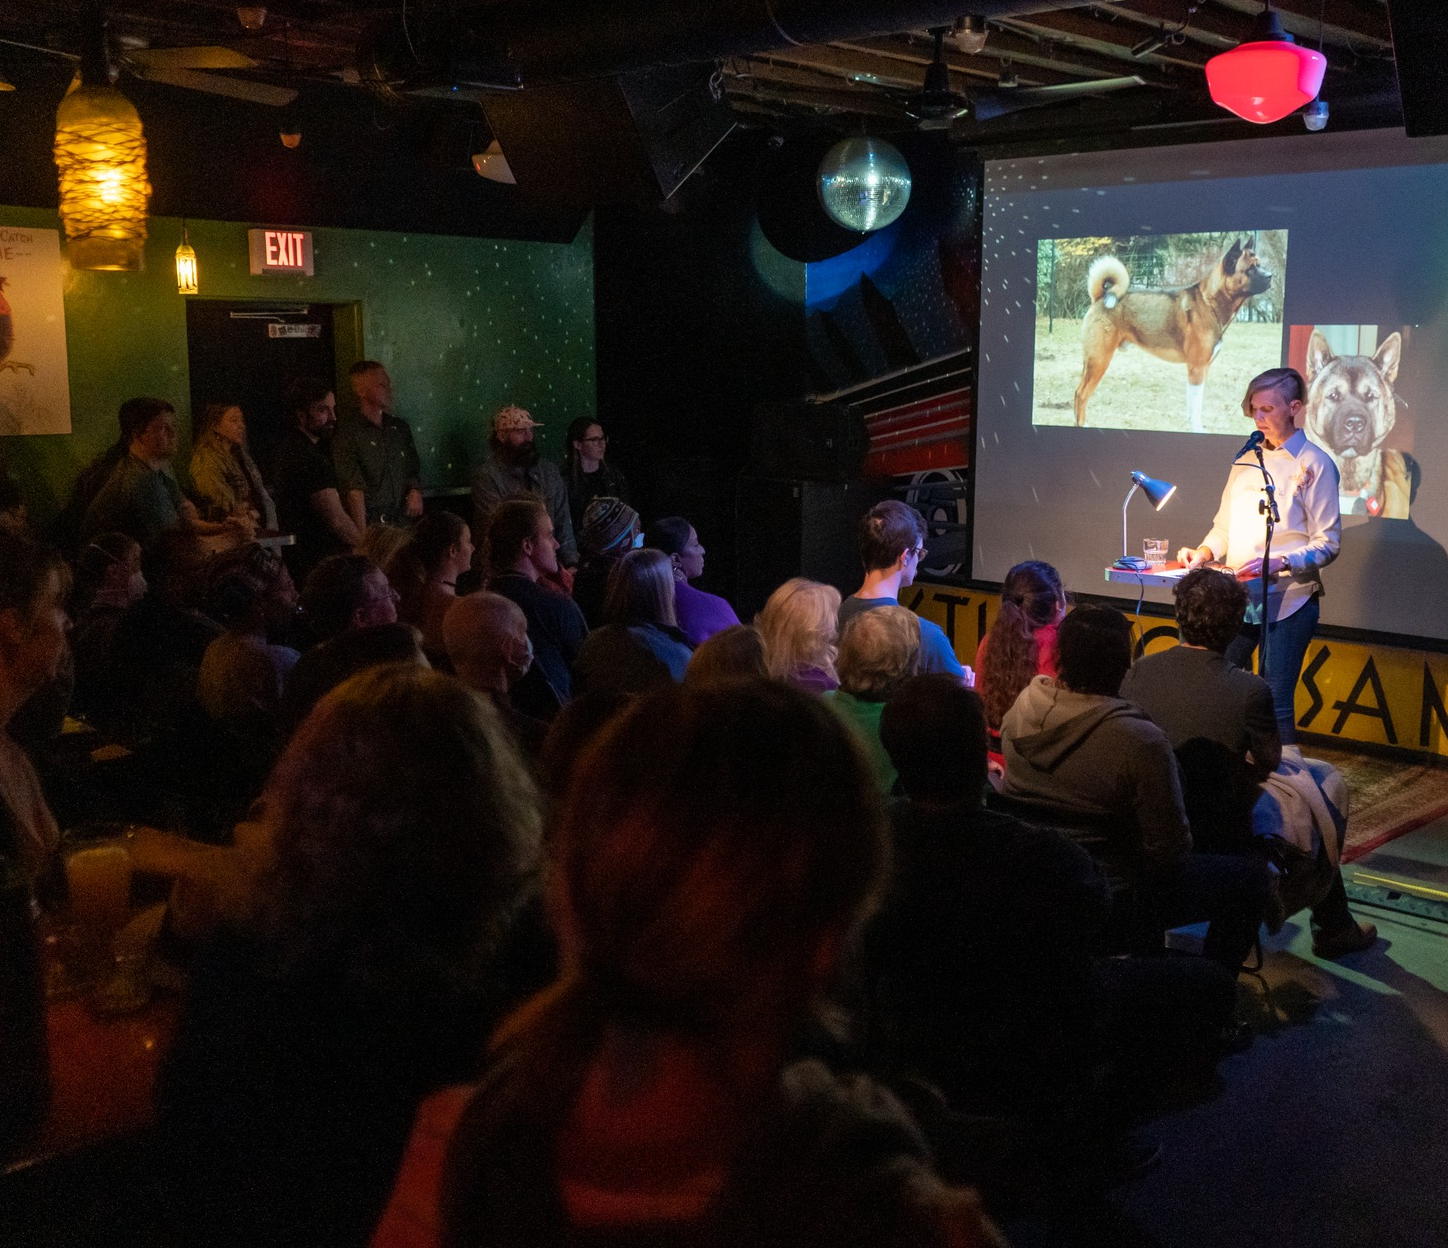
x=305, y=482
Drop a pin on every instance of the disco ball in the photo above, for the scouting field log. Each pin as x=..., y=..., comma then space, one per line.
x=864, y=183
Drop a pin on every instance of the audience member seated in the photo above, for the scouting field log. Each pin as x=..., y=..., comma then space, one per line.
x=640, y=645
x=521, y=549
x=141, y=496
x=700, y=615
x=647, y=1096
x=892, y=543
x=108, y=583
x=242, y=673
x=800, y=623
x=425, y=572
x=571, y=732
x=322, y=668
x=610, y=530
x=381, y=542
x=735, y=654
x=486, y=641
x=1083, y=757
x=224, y=476
x=404, y=835
x=984, y=975
x=588, y=476
x=92, y=478
x=1220, y=721
x=1022, y=638
x=347, y=591
x=879, y=650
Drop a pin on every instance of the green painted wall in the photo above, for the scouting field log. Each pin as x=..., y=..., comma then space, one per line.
x=463, y=325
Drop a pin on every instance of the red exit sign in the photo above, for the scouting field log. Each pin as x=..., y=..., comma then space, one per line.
x=280, y=251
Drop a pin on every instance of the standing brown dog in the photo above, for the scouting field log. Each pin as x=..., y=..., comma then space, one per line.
x=1182, y=326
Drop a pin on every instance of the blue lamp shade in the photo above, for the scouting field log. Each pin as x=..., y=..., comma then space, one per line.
x=864, y=183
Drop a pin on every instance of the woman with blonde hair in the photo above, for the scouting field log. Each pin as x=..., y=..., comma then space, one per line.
x=402, y=835
x=799, y=624
x=224, y=476
x=714, y=853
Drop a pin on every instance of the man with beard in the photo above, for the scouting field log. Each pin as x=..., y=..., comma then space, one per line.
x=309, y=503
x=513, y=467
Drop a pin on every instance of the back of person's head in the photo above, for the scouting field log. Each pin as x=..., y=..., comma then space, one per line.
x=136, y=414
x=347, y=654
x=27, y=570
x=609, y=527
x=799, y=624
x=934, y=730
x=1032, y=597
x=479, y=633
x=336, y=588
x=381, y=542
x=1209, y=607
x=405, y=829
x=104, y=558
x=878, y=650
x=573, y=729
x=174, y=562
x=641, y=590
x=513, y=522
x=235, y=596
x=735, y=653
x=886, y=530
x=1094, y=650
x=668, y=533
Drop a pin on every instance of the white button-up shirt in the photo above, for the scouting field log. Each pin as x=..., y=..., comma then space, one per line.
x=1308, y=536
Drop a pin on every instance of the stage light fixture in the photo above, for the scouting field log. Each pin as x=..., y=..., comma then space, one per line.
x=1267, y=77
x=969, y=34
x=1315, y=115
x=863, y=183
x=1157, y=493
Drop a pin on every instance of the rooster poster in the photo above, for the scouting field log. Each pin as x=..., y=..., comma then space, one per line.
x=34, y=382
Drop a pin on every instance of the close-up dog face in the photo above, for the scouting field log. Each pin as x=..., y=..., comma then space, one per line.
x=1350, y=404
x=1242, y=270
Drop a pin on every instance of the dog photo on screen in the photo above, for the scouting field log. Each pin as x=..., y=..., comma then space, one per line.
x=1157, y=332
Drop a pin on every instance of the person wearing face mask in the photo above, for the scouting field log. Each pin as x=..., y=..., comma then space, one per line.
x=488, y=647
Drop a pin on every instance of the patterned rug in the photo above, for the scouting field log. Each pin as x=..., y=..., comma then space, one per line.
x=1389, y=797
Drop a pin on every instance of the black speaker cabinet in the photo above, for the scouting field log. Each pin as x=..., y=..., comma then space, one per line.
x=1420, y=48
x=809, y=441
x=788, y=528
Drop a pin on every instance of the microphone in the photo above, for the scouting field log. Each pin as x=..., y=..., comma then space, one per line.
x=1251, y=444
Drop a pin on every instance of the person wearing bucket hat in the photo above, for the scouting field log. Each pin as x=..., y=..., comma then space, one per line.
x=514, y=467
x=609, y=531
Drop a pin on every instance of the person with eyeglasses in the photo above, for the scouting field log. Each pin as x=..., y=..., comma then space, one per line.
x=892, y=543
x=588, y=476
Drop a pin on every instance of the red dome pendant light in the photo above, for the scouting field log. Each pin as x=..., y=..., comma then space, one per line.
x=1267, y=77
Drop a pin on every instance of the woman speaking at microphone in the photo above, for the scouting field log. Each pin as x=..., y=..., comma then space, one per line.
x=1306, y=538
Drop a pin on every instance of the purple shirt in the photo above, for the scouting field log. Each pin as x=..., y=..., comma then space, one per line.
x=701, y=615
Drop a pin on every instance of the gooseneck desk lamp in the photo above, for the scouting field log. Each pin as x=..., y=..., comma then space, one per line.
x=1157, y=493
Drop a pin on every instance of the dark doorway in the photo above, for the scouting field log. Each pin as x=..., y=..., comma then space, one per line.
x=247, y=352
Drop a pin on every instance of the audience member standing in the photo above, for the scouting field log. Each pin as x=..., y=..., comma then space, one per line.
x=589, y=477
x=376, y=460
x=223, y=474
x=713, y=855
x=700, y=615
x=522, y=548
x=309, y=503
x=892, y=543
x=512, y=467
x=799, y=625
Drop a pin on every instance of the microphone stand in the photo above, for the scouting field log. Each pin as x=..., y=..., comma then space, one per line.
x=1267, y=507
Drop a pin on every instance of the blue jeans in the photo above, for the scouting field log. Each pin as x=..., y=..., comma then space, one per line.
x=1286, y=646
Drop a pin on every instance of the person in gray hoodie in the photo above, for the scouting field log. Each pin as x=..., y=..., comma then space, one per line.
x=1097, y=765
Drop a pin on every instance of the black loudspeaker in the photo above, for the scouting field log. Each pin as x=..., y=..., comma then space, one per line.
x=798, y=528
x=1420, y=48
x=810, y=441
x=611, y=140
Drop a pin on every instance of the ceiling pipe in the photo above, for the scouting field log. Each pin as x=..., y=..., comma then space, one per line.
x=491, y=44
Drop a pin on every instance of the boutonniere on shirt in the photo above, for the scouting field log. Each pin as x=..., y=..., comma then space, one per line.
x=1302, y=482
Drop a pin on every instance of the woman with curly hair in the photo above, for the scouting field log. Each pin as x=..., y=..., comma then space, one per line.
x=402, y=834
x=1021, y=643
x=800, y=625
x=715, y=849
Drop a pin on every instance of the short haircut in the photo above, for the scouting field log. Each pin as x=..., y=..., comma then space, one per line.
x=302, y=392
x=641, y=590
x=878, y=649
x=1287, y=382
x=934, y=731
x=26, y=567
x=886, y=530
x=1093, y=650
x=668, y=533
x=335, y=588
x=513, y=522
x=475, y=627
x=1209, y=607
x=365, y=366
x=136, y=414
